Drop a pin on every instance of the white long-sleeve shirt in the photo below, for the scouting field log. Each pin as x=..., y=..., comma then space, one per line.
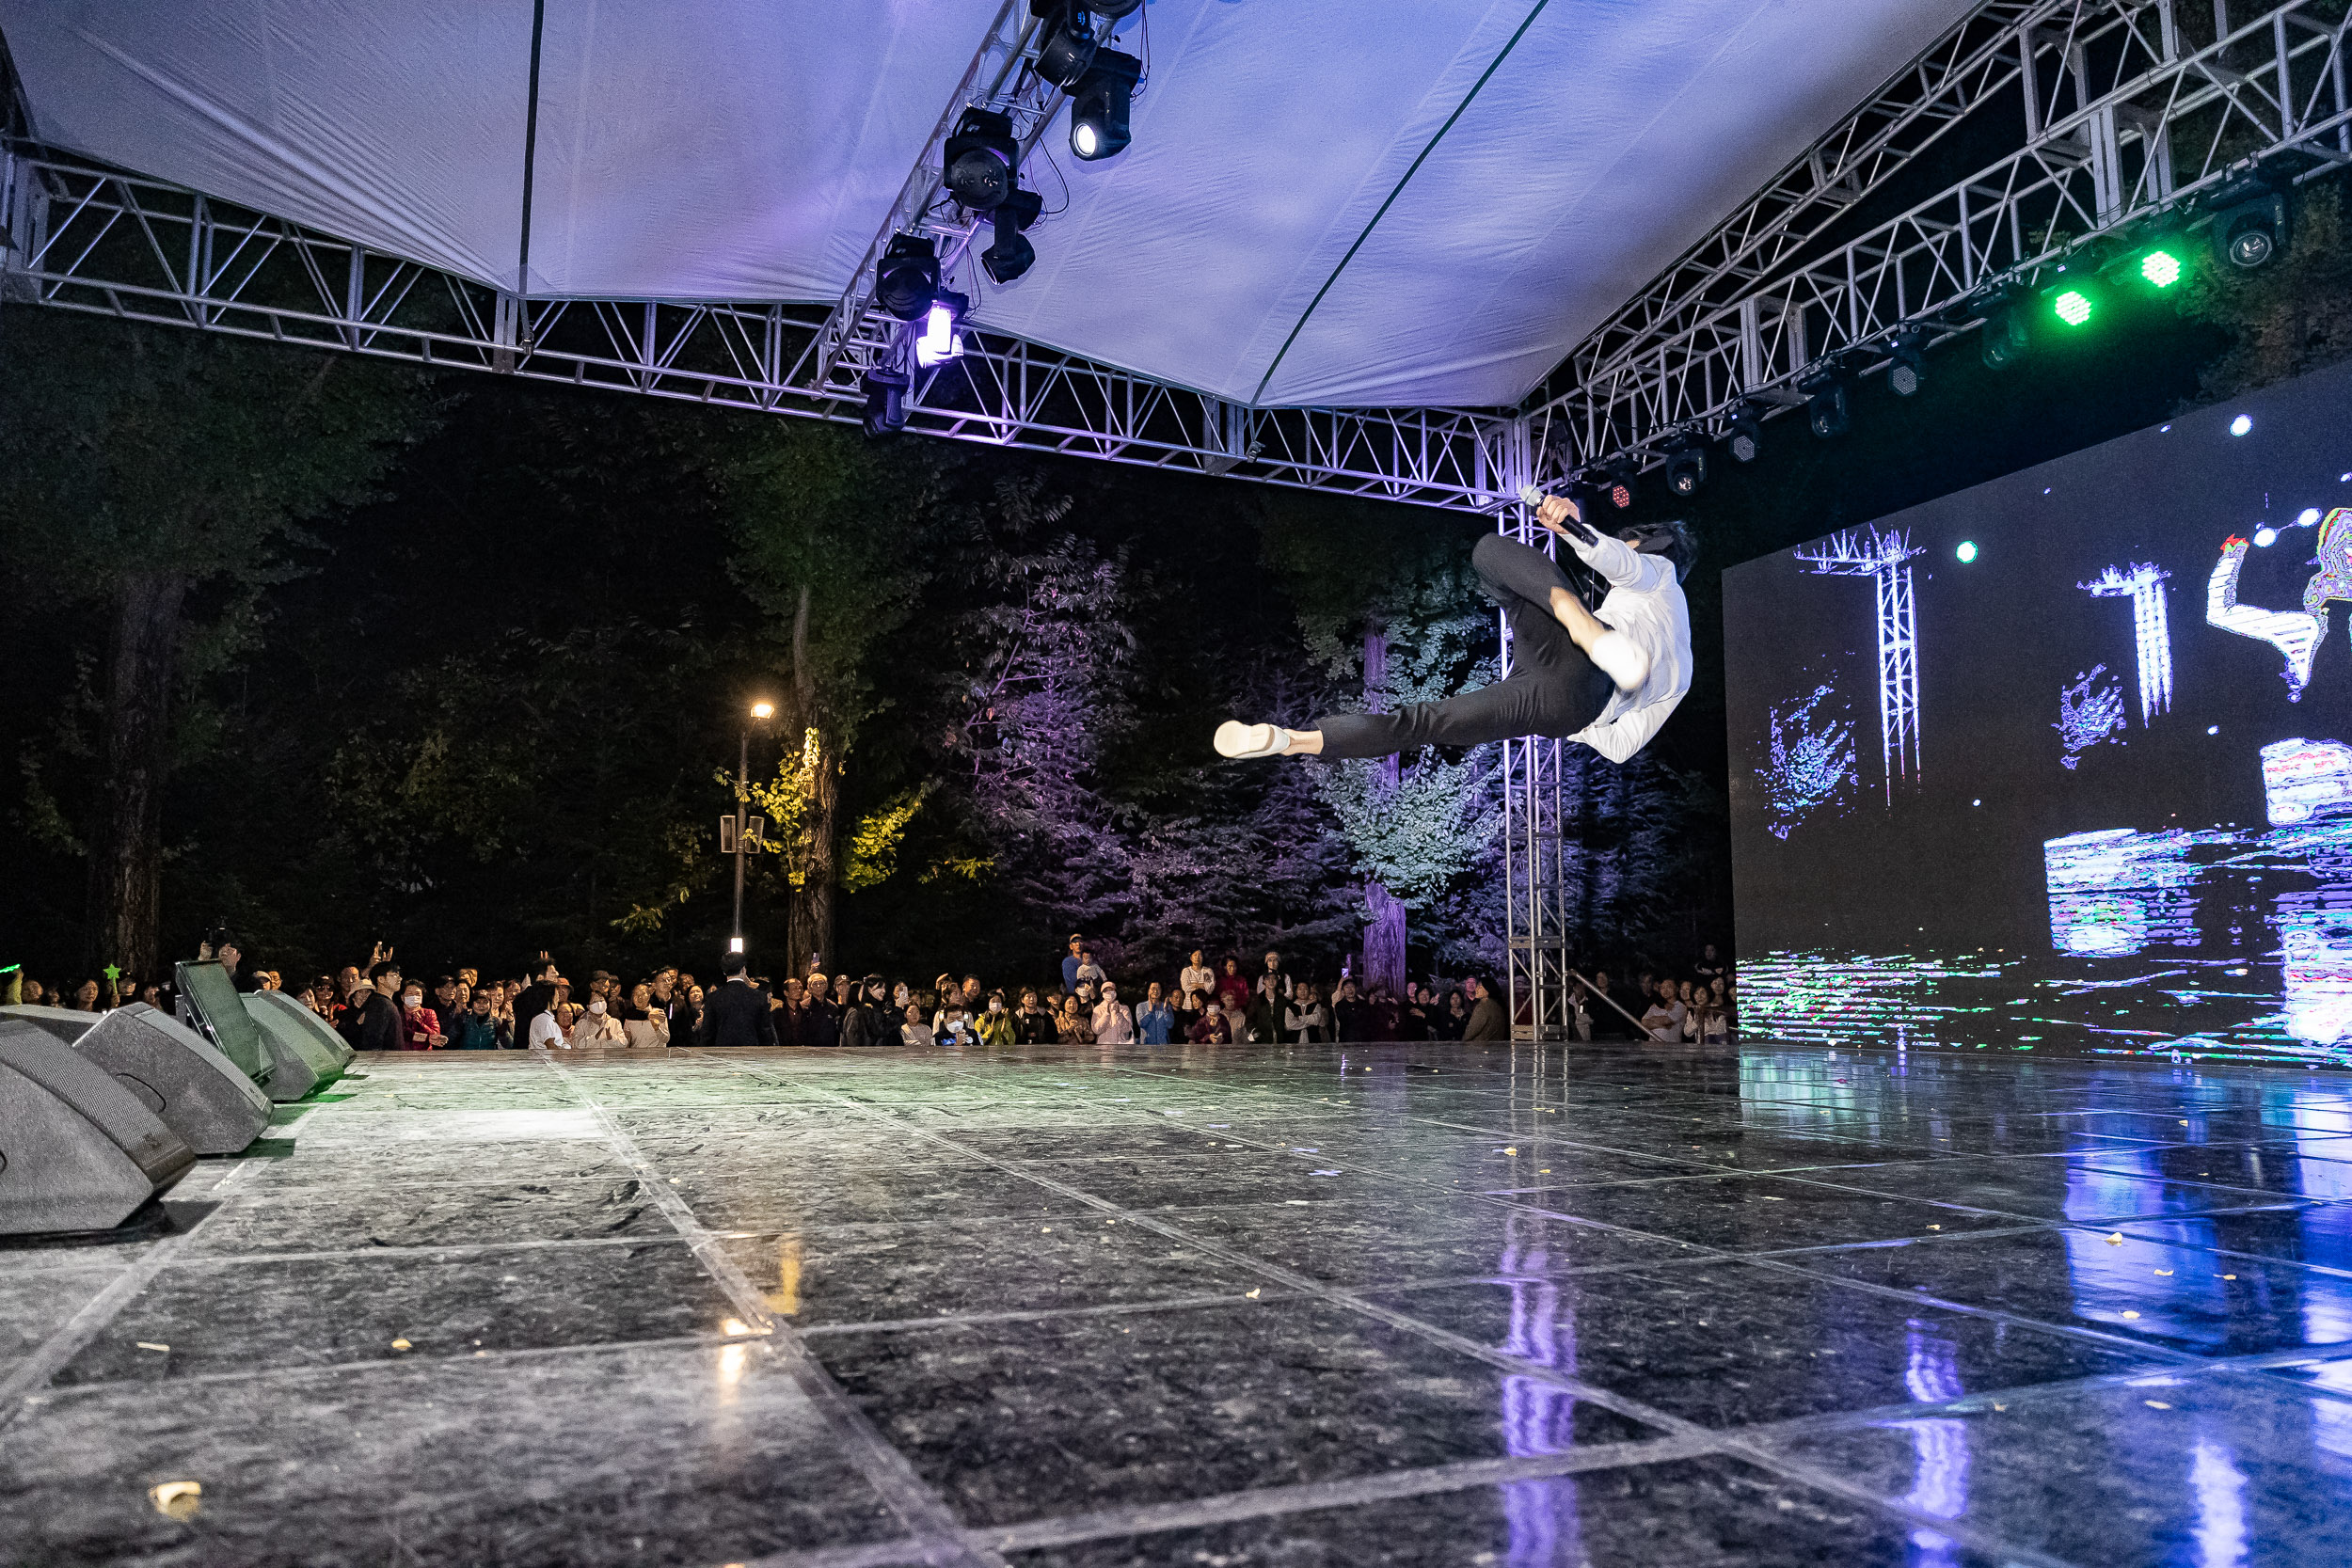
x=1646, y=603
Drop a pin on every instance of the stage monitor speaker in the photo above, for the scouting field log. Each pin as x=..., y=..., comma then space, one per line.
x=294, y=1052
x=77, y=1150
x=209, y=1004
x=313, y=1026
x=171, y=1069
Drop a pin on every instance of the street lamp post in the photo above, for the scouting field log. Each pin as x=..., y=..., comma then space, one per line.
x=760, y=712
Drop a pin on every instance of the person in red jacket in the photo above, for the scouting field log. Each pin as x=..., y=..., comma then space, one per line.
x=419, y=1026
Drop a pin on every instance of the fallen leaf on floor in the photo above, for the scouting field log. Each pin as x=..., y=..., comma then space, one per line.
x=2116, y=1239
x=2157, y=1404
x=2166, y=1273
x=2000, y=1407
x=176, y=1499
x=1512, y=1153
x=400, y=1344
x=2127, y=1312
x=2228, y=1277
x=147, y=1345
x=1253, y=1295
x=1935, y=1227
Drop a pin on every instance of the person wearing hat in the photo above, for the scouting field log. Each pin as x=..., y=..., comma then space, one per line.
x=1070, y=962
x=1607, y=678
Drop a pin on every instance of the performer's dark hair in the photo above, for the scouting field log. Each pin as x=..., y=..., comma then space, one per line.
x=1672, y=540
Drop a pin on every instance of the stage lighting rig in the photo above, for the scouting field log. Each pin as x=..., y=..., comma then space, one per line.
x=1612, y=485
x=2007, y=335
x=1012, y=254
x=1744, y=434
x=2251, y=223
x=908, y=276
x=1686, y=468
x=885, y=401
x=942, y=338
x=1828, y=403
x=1907, y=362
x=2161, y=266
x=1101, y=103
x=982, y=157
x=1069, y=43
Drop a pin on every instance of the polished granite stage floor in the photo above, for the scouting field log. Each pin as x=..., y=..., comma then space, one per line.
x=1293, y=1307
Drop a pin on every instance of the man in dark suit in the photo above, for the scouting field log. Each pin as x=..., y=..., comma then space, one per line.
x=736, y=1013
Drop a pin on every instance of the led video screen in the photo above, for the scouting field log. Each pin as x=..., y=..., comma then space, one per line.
x=2061, y=763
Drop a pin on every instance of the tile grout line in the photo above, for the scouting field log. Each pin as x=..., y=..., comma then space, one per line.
x=1719, y=1255
x=2029, y=1226
x=480, y=1359
x=18, y=1389
x=919, y=1507
x=1607, y=1399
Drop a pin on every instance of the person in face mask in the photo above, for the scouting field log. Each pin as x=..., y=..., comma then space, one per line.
x=420, y=1026
x=597, y=1028
x=995, y=1025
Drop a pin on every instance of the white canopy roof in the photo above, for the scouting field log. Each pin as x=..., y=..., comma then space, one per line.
x=1260, y=239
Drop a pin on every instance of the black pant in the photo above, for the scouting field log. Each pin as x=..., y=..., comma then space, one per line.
x=1553, y=688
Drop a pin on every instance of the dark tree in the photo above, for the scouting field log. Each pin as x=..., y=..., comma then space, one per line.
x=160, y=477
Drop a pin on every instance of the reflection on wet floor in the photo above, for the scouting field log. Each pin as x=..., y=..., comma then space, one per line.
x=2210, y=944
x=1524, y=1304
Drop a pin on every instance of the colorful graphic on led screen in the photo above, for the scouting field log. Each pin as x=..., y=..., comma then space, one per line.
x=2063, y=762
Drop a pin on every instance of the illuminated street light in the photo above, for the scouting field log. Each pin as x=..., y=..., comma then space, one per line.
x=762, y=711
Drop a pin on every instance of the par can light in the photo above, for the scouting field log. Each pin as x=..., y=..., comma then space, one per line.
x=2160, y=268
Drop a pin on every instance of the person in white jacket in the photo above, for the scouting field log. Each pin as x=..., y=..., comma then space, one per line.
x=1114, y=1020
x=1607, y=678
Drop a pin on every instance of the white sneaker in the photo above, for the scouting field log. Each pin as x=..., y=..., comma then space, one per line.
x=1622, y=659
x=1237, y=739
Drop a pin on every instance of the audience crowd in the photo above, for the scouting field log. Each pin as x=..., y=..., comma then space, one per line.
x=380, y=1007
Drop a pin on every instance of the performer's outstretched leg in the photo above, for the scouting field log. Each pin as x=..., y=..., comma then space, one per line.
x=1554, y=688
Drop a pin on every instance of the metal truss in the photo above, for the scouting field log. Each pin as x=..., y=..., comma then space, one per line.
x=1885, y=559
x=2152, y=629
x=2123, y=117
x=80, y=237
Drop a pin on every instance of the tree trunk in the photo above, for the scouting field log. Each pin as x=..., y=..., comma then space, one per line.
x=126, y=853
x=1384, y=940
x=823, y=811
x=1384, y=924
x=812, y=912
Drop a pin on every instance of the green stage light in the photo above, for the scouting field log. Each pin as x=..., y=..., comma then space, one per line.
x=2161, y=268
x=2072, y=307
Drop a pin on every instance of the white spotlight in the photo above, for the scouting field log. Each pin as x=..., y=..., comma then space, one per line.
x=2240, y=425
x=2266, y=536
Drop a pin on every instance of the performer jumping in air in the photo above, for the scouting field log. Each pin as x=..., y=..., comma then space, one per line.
x=1608, y=679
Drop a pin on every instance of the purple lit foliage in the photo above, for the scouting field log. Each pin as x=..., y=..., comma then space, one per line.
x=1811, y=761
x=2089, y=713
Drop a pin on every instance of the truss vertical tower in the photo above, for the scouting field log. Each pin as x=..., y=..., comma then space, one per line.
x=2152, y=629
x=1886, y=559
